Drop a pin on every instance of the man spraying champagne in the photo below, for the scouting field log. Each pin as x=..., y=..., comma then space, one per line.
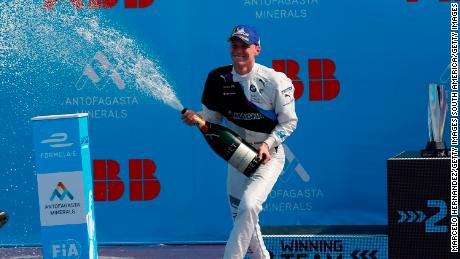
x=258, y=104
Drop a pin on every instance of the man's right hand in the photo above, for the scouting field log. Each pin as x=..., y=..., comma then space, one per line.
x=189, y=116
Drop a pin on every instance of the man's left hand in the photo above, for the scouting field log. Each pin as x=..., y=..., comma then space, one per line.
x=264, y=153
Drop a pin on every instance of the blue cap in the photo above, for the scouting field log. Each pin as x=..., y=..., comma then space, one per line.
x=246, y=33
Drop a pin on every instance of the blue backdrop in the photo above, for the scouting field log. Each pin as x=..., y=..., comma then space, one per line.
x=364, y=66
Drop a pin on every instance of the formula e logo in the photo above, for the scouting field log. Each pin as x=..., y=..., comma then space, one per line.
x=66, y=249
x=57, y=140
x=99, y=4
x=61, y=192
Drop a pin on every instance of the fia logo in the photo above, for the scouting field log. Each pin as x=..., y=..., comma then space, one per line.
x=100, y=68
x=294, y=166
x=57, y=140
x=66, y=249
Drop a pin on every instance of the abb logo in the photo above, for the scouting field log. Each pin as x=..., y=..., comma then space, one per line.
x=97, y=4
x=323, y=86
x=108, y=186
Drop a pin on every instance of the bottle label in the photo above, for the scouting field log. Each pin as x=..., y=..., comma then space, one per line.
x=242, y=157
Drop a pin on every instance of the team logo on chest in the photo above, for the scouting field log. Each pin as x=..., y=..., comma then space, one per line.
x=255, y=95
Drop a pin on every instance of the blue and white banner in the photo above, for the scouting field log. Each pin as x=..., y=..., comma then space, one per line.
x=64, y=186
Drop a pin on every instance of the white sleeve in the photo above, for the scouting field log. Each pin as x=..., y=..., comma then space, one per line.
x=210, y=115
x=284, y=107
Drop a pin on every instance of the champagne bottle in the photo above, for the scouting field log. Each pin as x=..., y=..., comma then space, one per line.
x=230, y=146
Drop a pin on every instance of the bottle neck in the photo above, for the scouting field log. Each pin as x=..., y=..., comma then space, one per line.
x=201, y=124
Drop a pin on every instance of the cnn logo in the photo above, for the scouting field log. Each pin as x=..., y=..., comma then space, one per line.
x=108, y=186
x=98, y=4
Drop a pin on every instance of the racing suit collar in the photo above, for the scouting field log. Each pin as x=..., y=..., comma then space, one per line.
x=238, y=78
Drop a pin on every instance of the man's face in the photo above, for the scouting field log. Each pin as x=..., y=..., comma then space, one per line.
x=242, y=53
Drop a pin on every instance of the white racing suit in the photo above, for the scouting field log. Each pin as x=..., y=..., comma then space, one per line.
x=260, y=107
